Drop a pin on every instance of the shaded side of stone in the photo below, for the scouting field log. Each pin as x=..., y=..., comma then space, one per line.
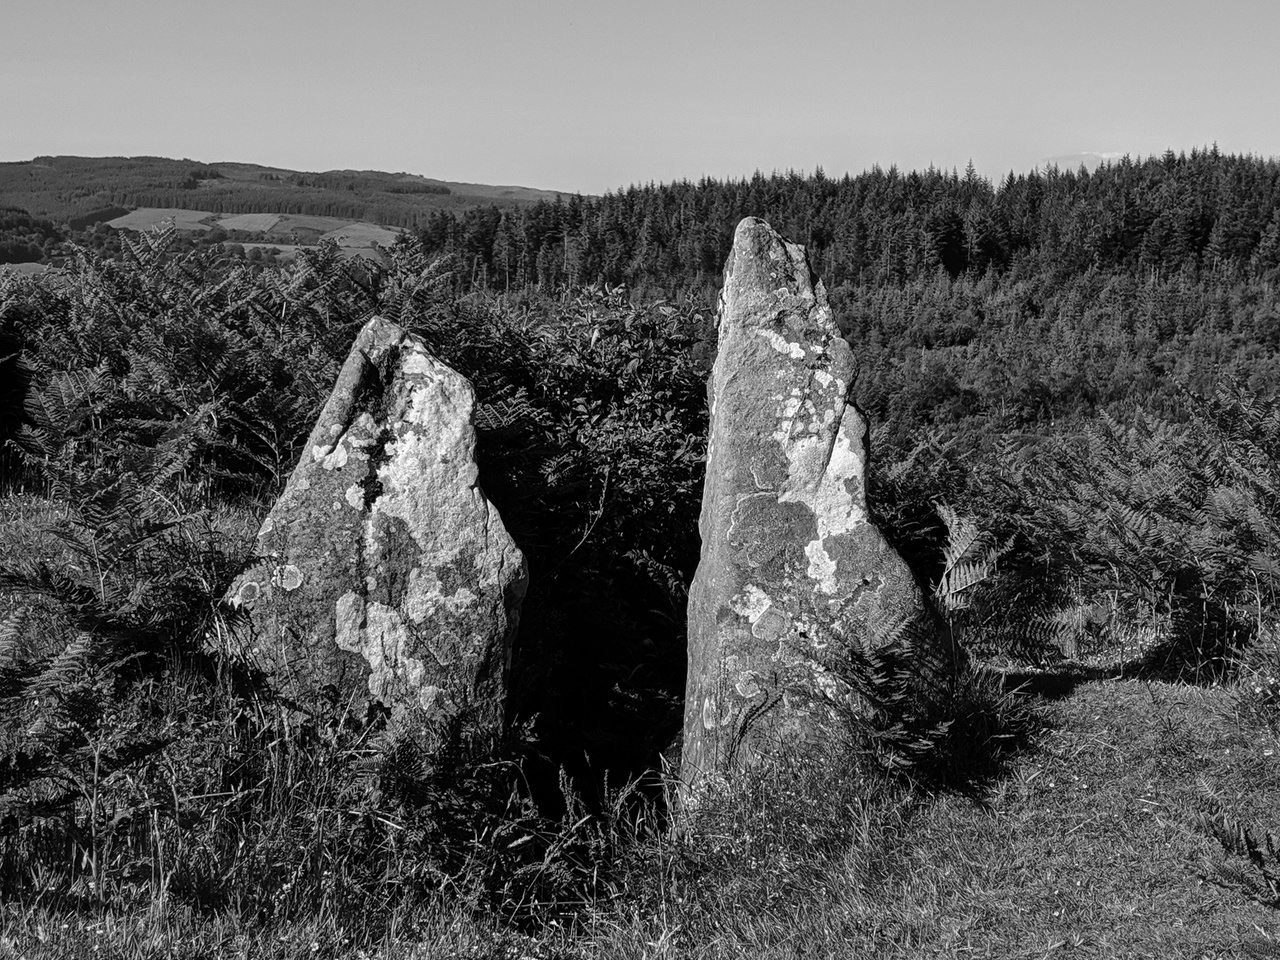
x=792, y=566
x=384, y=573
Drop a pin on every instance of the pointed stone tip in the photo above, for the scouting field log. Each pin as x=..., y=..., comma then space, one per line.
x=378, y=333
x=750, y=225
x=756, y=238
x=379, y=323
x=763, y=262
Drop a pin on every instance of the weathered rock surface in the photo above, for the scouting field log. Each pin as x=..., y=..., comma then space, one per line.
x=386, y=574
x=792, y=566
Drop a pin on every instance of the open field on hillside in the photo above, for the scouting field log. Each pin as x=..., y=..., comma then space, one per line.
x=260, y=222
x=24, y=269
x=299, y=223
x=296, y=230
x=361, y=235
x=145, y=218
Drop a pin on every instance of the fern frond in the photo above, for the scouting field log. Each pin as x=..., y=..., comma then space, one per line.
x=13, y=636
x=1259, y=848
x=58, y=673
x=506, y=408
x=954, y=590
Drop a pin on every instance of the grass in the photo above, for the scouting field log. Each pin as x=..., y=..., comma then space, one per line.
x=1091, y=844
x=1080, y=836
x=1088, y=847
x=302, y=223
x=261, y=222
x=362, y=235
x=349, y=233
x=36, y=935
x=23, y=269
x=144, y=218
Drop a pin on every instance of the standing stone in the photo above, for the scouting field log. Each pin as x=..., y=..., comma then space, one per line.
x=384, y=574
x=792, y=566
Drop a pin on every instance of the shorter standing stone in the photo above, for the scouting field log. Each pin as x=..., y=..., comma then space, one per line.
x=792, y=569
x=384, y=573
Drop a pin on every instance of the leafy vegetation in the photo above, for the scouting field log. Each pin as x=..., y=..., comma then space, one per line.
x=26, y=239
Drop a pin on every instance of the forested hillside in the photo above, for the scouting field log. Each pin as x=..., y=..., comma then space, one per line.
x=1162, y=215
x=1050, y=294
x=81, y=191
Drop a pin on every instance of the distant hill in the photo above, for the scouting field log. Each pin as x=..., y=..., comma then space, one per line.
x=80, y=191
x=283, y=233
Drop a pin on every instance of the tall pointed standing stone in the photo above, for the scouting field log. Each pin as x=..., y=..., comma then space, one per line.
x=792, y=566
x=386, y=575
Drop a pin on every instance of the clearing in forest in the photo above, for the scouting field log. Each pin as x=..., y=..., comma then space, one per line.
x=256, y=222
x=144, y=218
x=362, y=235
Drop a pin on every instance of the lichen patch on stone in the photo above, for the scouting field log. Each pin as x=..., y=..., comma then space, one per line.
x=386, y=652
x=822, y=568
x=780, y=343
x=287, y=577
x=420, y=364
x=461, y=600
x=336, y=458
x=826, y=480
x=772, y=625
x=751, y=603
x=431, y=698
x=355, y=496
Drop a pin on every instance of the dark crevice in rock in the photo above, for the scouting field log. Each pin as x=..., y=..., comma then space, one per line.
x=373, y=394
x=371, y=482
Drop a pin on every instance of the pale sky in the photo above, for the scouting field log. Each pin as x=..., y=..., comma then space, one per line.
x=592, y=95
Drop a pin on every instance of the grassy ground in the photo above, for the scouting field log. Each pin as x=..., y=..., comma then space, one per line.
x=1089, y=848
